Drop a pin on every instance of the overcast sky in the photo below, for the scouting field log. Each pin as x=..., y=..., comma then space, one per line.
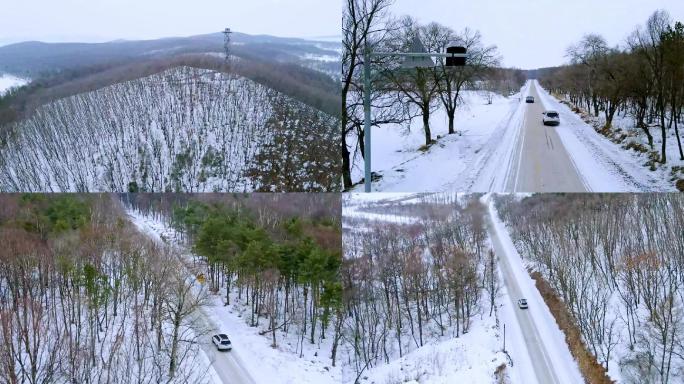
x=535, y=33
x=102, y=20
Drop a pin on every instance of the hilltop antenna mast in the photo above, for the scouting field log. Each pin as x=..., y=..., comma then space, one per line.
x=226, y=45
x=228, y=59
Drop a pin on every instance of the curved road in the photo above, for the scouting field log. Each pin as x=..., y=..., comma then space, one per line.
x=540, y=162
x=228, y=365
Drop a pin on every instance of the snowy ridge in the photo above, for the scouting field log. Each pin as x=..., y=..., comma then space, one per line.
x=184, y=129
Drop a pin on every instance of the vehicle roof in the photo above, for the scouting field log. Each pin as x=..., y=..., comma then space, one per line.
x=222, y=336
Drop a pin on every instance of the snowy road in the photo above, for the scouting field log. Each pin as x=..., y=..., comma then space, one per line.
x=541, y=163
x=539, y=357
x=544, y=351
x=227, y=365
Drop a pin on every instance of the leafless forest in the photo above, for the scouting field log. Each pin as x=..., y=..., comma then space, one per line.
x=275, y=256
x=184, y=129
x=425, y=278
x=402, y=94
x=419, y=270
x=86, y=298
x=617, y=262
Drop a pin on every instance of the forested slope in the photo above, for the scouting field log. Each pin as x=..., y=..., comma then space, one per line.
x=271, y=263
x=86, y=298
x=184, y=129
x=419, y=279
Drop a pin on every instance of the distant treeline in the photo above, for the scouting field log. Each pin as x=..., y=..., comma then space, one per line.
x=311, y=87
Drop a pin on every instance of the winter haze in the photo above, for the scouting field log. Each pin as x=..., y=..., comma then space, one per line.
x=99, y=21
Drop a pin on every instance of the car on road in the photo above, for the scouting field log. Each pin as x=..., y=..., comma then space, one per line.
x=522, y=304
x=529, y=99
x=551, y=118
x=222, y=342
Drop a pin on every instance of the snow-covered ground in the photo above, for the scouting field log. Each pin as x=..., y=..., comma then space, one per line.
x=605, y=165
x=250, y=349
x=471, y=358
x=8, y=81
x=536, y=351
x=452, y=163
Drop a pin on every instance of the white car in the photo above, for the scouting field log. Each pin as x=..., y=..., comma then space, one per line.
x=222, y=342
x=522, y=304
x=551, y=118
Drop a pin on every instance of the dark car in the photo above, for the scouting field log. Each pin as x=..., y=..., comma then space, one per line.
x=529, y=99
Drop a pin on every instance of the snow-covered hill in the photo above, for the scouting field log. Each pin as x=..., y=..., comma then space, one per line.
x=184, y=129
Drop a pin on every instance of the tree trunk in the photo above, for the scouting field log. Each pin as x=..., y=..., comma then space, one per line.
x=679, y=140
x=451, y=114
x=426, y=126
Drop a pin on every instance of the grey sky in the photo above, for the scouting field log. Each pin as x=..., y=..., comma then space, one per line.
x=100, y=20
x=535, y=33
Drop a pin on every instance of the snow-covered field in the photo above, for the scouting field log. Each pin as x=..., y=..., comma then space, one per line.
x=605, y=165
x=252, y=350
x=8, y=81
x=471, y=358
x=452, y=163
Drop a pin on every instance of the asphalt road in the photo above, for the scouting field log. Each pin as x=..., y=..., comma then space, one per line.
x=541, y=362
x=541, y=163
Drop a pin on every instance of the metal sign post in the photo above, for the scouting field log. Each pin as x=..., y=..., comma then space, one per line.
x=456, y=57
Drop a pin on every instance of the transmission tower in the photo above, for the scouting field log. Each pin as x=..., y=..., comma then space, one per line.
x=228, y=59
x=226, y=44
